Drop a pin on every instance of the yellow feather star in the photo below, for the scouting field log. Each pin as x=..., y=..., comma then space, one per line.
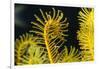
x=50, y=32
x=86, y=34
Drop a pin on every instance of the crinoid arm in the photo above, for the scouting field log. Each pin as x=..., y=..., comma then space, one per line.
x=35, y=55
x=27, y=51
x=51, y=29
x=86, y=33
x=71, y=55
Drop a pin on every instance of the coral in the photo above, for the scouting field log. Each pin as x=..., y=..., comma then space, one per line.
x=86, y=34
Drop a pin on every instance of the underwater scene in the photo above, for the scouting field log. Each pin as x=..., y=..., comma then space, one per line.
x=46, y=34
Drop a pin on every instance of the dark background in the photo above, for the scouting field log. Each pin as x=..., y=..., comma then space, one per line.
x=24, y=13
